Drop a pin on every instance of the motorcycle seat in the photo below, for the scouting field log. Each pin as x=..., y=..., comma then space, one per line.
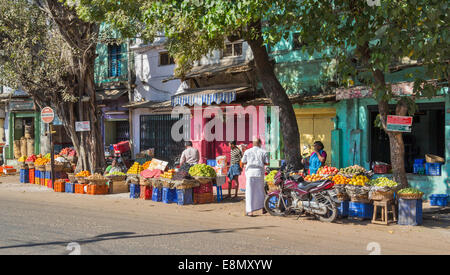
x=307, y=187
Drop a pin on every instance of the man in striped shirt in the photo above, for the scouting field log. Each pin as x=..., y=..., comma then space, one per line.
x=235, y=169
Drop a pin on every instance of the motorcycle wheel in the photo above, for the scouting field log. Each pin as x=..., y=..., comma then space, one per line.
x=331, y=213
x=272, y=207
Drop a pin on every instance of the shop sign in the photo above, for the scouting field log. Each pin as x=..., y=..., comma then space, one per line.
x=400, y=89
x=399, y=123
x=47, y=115
x=21, y=105
x=82, y=126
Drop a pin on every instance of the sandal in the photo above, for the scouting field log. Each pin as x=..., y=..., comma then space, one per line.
x=246, y=214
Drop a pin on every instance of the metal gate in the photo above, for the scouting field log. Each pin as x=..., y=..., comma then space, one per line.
x=156, y=133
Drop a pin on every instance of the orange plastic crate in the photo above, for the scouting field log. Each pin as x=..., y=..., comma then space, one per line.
x=94, y=189
x=79, y=188
x=60, y=186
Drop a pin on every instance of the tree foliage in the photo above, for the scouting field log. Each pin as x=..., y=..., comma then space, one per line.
x=49, y=52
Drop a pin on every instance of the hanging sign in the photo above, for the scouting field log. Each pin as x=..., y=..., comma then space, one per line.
x=399, y=123
x=47, y=115
x=82, y=126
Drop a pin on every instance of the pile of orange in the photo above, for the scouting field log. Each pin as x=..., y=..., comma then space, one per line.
x=41, y=161
x=83, y=174
x=314, y=177
x=339, y=179
x=146, y=165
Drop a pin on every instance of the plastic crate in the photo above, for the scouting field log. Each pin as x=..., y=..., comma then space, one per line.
x=69, y=187
x=122, y=147
x=433, y=169
x=24, y=176
x=200, y=198
x=185, y=196
x=439, y=200
x=79, y=188
x=157, y=194
x=169, y=195
x=60, y=186
x=360, y=210
x=135, y=191
x=343, y=209
x=146, y=192
x=31, y=174
x=409, y=212
x=419, y=161
x=203, y=188
x=419, y=169
x=94, y=189
x=381, y=169
x=211, y=162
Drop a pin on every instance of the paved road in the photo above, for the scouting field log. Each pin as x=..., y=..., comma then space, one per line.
x=35, y=220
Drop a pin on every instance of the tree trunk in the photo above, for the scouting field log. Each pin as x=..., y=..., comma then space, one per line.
x=278, y=96
x=396, y=144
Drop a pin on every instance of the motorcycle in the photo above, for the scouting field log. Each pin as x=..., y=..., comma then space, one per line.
x=296, y=196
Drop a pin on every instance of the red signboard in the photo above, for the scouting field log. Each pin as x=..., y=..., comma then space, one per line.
x=47, y=115
x=401, y=120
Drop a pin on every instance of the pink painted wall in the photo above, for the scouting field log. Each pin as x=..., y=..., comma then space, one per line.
x=210, y=150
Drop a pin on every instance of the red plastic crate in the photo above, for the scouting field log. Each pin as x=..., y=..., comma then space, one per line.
x=146, y=192
x=203, y=188
x=381, y=169
x=122, y=147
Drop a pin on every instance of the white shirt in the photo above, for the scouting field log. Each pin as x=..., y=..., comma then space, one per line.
x=255, y=159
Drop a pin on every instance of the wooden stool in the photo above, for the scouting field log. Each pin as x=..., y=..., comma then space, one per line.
x=384, y=212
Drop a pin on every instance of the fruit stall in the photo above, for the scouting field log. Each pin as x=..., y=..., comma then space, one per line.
x=364, y=197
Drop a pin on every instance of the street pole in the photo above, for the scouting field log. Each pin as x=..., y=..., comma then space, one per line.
x=52, y=157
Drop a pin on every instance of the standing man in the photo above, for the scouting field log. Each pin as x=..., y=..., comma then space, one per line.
x=190, y=155
x=235, y=169
x=255, y=159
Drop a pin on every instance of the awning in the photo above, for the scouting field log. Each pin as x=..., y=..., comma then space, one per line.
x=207, y=96
x=109, y=94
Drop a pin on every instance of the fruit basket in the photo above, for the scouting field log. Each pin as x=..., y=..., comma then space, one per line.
x=381, y=196
x=81, y=180
x=71, y=177
x=410, y=194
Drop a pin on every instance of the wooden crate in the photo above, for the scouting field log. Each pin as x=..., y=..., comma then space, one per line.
x=116, y=187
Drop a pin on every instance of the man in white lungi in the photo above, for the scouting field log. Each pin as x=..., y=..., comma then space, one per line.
x=255, y=159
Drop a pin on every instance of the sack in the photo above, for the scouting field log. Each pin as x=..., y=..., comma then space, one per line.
x=30, y=147
x=23, y=147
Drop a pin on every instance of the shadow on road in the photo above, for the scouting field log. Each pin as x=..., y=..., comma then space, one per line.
x=130, y=235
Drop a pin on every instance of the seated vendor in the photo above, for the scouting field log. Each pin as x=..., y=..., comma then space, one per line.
x=114, y=167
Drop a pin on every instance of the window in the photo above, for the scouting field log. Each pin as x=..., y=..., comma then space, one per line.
x=427, y=135
x=114, y=60
x=296, y=43
x=165, y=59
x=232, y=49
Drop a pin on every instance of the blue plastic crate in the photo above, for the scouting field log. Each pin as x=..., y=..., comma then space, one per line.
x=156, y=194
x=433, y=169
x=169, y=195
x=409, y=212
x=69, y=187
x=360, y=210
x=419, y=161
x=135, y=191
x=343, y=209
x=184, y=196
x=419, y=169
x=211, y=162
x=439, y=200
x=24, y=176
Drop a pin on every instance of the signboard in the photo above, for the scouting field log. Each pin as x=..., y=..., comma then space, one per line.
x=398, y=89
x=158, y=164
x=399, y=123
x=82, y=126
x=47, y=115
x=21, y=105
